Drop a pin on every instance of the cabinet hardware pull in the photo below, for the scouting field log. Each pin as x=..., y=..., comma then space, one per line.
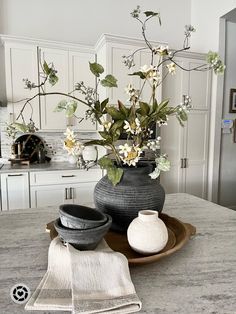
x=185, y=162
x=182, y=163
x=71, y=193
x=66, y=194
x=15, y=175
x=68, y=176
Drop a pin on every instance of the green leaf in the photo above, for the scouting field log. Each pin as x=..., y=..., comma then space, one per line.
x=115, y=126
x=105, y=135
x=20, y=127
x=71, y=107
x=96, y=68
x=109, y=81
x=46, y=68
x=162, y=105
x=144, y=108
x=114, y=175
x=150, y=13
x=61, y=106
x=96, y=142
x=140, y=74
x=105, y=162
x=123, y=109
x=104, y=103
x=53, y=79
x=115, y=114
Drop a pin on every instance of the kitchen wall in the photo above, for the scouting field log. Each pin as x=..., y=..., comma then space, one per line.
x=227, y=196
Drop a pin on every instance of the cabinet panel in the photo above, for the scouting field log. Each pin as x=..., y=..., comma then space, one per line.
x=79, y=71
x=172, y=144
x=64, y=176
x=199, y=86
x=21, y=63
x=49, y=195
x=51, y=120
x=55, y=195
x=15, y=191
x=120, y=71
x=83, y=193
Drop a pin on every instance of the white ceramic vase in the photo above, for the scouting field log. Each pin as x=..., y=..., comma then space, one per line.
x=90, y=153
x=147, y=234
x=72, y=159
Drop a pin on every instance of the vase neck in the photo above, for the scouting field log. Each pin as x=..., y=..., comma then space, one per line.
x=148, y=215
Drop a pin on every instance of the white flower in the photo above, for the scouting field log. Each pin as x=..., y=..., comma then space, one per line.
x=162, y=50
x=154, y=145
x=107, y=125
x=171, y=68
x=69, y=134
x=133, y=127
x=162, y=122
x=132, y=92
x=130, y=154
x=125, y=149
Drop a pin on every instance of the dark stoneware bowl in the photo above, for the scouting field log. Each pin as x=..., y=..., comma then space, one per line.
x=86, y=239
x=80, y=217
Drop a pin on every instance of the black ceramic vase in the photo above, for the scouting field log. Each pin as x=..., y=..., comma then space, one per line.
x=136, y=191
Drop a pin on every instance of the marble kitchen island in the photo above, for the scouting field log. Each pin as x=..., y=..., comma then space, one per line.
x=200, y=278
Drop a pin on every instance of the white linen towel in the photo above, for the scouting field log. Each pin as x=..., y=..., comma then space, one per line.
x=85, y=282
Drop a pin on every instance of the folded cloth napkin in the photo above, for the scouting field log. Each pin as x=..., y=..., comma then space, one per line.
x=85, y=282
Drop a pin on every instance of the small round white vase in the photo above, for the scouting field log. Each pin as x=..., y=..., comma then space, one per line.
x=147, y=234
x=90, y=153
x=72, y=159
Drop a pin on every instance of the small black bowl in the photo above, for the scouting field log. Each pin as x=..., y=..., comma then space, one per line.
x=80, y=217
x=86, y=239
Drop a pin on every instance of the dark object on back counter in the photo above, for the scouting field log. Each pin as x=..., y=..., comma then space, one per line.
x=30, y=147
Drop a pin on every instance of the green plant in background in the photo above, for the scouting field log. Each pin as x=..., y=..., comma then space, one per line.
x=136, y=119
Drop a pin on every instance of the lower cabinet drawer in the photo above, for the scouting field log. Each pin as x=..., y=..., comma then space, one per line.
x=55, y=195
x=64, y=177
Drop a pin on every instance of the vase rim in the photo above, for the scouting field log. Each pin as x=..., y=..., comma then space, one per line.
x=148, y=215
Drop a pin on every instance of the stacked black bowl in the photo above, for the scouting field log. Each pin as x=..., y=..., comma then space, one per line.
x=82, y=226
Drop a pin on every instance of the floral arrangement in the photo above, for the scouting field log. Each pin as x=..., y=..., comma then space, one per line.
x=136, y=119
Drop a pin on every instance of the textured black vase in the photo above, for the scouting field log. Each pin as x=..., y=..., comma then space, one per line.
x=136, y=191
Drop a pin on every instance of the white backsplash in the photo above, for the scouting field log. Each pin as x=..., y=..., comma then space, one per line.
x=53, y=141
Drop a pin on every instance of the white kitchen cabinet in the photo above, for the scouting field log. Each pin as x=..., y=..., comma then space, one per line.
x=187, y=147
x=53, y=188
x=55, y=195
x=110, y=51
x=21, y=63
x=51, y=120
x=79, y=71
x=15, y=191
x=24, y=59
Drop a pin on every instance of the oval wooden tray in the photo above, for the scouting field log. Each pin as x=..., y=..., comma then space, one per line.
x=179, y=233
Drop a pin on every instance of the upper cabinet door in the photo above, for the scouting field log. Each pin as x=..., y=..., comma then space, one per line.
x=21, y=63
x=51, y=120
x=79, y=71
x=199, y=85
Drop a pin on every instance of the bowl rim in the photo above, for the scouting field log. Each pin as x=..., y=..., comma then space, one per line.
x=60, y=226
x=83, y=220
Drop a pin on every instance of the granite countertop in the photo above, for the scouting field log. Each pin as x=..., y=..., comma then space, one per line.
x=198, y=279
x=48, y=166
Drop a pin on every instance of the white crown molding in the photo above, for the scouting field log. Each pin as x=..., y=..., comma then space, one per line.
x=110, y=38
x=46, y=43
